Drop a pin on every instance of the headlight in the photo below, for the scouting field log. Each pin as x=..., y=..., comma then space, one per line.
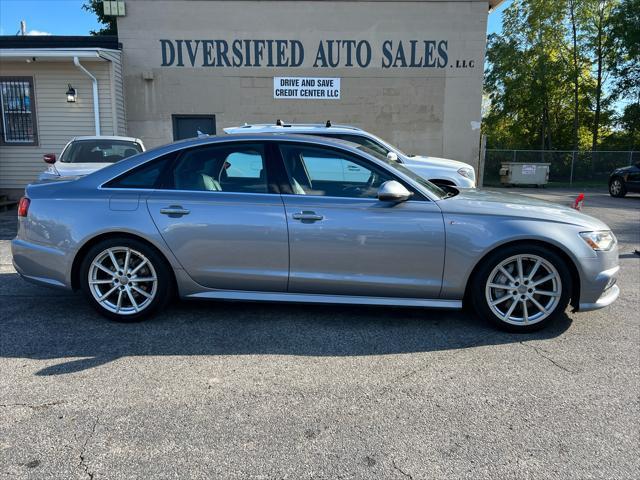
x=600, y=240
x=467, y=172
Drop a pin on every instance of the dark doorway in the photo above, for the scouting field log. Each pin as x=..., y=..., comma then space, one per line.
x=189, y=126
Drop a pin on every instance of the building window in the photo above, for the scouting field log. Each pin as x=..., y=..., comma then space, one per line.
x=18, y=111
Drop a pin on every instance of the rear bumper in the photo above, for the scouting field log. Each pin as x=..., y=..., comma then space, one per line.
x=40, y=264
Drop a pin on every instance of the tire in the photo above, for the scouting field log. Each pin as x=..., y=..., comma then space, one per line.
x=617, y=188
x=129, y=300
x=508, y=311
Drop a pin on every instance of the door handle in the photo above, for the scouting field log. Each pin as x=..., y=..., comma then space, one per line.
x=307, y=217
x=175, y=211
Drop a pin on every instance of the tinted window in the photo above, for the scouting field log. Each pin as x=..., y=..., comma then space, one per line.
x=325, y=172
x=99, y=151
x=221, y=168
x=144, y=176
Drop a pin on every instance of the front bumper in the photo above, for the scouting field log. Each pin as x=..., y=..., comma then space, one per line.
x=607, y=298
x=598, y=287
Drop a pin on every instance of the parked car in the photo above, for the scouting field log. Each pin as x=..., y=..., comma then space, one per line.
x=440, y=171
x=306, y=219
x=84, y=155
x=624, y=180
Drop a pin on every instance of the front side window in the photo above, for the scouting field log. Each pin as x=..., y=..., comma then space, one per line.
x=100, y=151
x=326, y=172
x=221, y=168
x=18, y=111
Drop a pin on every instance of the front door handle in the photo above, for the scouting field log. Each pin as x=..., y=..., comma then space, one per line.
x=175, y=211
x=307, y=217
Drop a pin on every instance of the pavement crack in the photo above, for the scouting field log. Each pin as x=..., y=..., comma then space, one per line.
x=83, y=461
x=542, y=352
x=33, y=407
x=404, y=474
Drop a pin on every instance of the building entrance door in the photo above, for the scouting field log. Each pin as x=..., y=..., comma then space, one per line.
x=189, y=126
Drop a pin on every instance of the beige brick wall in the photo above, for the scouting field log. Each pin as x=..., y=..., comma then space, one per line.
x=422, y=110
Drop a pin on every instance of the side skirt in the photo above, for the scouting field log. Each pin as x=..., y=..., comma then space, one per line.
x=337, y=299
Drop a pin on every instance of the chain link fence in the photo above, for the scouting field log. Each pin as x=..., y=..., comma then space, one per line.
x=567, y=167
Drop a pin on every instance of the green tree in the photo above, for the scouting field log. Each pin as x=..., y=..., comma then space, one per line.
x=559, y=70
x=626, y=32
x=601, y=47
x=528, y=79
x=110, y=25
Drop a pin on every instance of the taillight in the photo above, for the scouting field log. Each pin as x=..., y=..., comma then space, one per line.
x=23, y=207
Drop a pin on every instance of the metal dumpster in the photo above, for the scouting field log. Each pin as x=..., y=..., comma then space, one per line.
x=518, y=173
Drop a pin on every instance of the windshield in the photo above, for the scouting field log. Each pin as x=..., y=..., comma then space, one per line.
x=434, y=189
x=99, y=151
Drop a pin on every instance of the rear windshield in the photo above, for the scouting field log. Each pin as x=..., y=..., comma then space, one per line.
x=99, y=151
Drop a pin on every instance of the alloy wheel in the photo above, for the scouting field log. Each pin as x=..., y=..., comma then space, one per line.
x=122, y=280
x=523, y=289
x=616, y=187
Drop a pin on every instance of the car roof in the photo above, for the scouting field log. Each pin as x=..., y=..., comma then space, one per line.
x=319, y=128
x=105, y=137
x=253, y=136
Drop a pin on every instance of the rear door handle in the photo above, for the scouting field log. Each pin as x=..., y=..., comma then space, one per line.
x=307, y=217
x=175, y=211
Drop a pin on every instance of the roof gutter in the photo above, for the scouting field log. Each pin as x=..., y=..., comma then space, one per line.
x=96, y=99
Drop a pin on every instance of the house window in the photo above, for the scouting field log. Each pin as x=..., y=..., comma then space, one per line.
x=18, y=111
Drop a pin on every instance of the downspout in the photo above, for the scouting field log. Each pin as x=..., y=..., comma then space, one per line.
x=96, y=100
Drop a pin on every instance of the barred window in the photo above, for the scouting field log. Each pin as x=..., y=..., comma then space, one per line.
x=18, y=111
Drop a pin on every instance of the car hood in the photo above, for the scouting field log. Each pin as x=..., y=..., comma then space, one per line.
x=78, y=169
x=483, y=202
x=624, y=169
x=434, y=162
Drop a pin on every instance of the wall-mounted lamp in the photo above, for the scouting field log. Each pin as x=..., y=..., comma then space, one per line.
x=72, y=94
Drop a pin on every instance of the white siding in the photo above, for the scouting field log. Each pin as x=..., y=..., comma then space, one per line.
x=117, y=88
x=57, y=120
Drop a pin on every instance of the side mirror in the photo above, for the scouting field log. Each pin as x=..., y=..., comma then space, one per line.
x=392, y=191
x=49, y=158
x=393, y=156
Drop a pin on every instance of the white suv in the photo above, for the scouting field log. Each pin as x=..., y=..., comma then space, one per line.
x=440, y=171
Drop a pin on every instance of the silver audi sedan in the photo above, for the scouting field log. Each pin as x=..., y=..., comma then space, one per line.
x=302, y=219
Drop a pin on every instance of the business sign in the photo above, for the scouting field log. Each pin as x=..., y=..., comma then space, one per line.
x=357, y=54
x=306, y=88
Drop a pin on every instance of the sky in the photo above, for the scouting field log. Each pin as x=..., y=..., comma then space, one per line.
x=66, y=17
x=57, y=17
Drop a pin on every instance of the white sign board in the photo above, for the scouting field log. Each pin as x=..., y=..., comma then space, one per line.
x=528, y=169
x=306, y=88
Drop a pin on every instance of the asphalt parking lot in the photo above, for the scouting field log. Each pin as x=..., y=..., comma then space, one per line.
x=247, y=390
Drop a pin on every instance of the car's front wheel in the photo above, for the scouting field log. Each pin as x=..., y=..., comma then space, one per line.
x=522, y=288
x=617, y=187
x=125, y=279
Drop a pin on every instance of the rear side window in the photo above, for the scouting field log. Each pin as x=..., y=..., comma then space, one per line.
x=236, y=168
x=144, y=176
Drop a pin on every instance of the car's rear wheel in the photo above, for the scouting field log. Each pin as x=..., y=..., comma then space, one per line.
x=125, y=279
x=522, y=288
x=617, y=188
